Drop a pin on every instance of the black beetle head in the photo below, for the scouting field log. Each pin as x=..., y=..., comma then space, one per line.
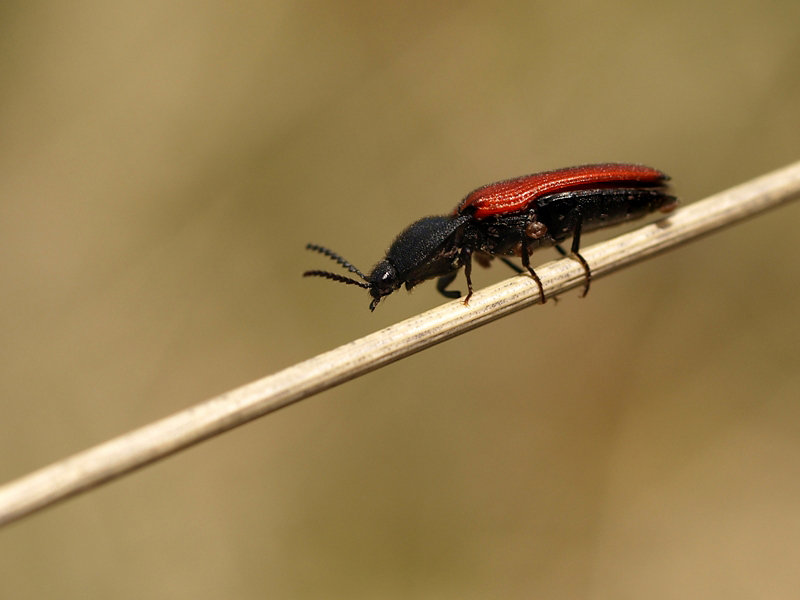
x=382, y=281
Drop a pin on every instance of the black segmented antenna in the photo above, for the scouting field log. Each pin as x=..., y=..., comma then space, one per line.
x=334, y=276
x=331, y=254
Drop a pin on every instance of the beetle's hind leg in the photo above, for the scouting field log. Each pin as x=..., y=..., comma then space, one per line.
x=574, y=254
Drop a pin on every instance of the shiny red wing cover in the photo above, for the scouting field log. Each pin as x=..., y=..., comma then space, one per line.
x=516, y=194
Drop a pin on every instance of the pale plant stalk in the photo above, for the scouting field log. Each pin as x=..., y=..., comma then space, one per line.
x=158, y=440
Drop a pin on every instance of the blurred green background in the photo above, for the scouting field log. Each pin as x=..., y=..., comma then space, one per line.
x=162, y=166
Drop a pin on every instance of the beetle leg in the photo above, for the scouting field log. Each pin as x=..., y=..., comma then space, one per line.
x=443, y=282
x=526, y=262
x=576, y=244
x=521, y=271
x=466, y=260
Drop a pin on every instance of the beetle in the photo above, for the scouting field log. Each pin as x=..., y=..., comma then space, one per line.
x=511, y=218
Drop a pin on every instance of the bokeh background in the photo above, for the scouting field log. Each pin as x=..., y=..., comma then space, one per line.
x=162, y=166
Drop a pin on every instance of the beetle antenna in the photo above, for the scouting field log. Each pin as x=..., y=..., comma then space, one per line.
x=331, y=254
x=336, y=277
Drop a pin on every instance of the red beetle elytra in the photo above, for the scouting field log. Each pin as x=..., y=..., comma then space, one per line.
x=512, y=218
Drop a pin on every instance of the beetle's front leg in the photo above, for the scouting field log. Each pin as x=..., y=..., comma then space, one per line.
x=444, y=281
x=466, y=260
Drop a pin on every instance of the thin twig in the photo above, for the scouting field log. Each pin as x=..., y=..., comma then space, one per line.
x=158, y=440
